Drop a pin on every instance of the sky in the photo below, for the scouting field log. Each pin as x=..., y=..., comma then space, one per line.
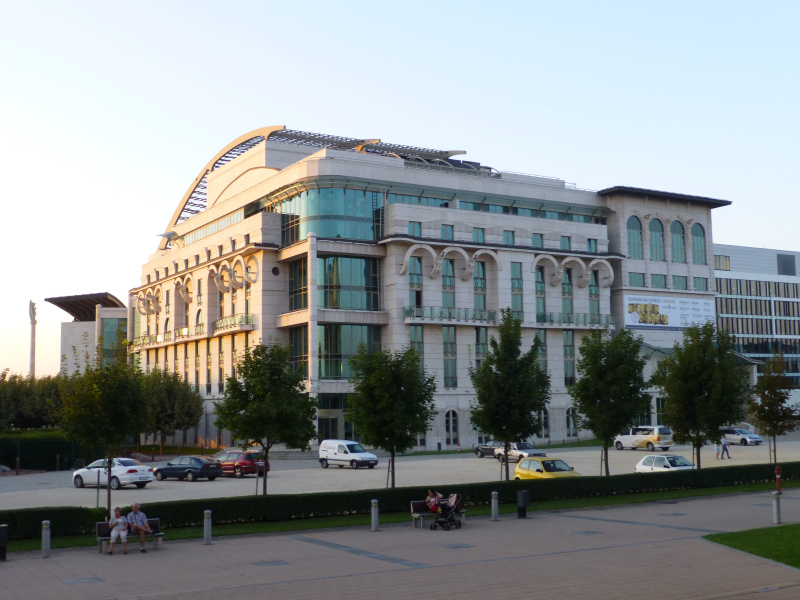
x=108, y=111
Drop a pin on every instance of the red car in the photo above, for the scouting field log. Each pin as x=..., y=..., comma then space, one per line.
x=240, y=463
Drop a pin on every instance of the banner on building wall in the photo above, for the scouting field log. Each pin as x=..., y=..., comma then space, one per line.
x=666, y=314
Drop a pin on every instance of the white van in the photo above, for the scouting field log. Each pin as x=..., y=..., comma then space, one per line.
x=345, y=452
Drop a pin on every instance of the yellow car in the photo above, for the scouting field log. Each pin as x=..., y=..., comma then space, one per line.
x=543, y=468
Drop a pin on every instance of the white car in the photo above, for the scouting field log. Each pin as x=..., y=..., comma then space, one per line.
x=646, y=436
x=124, y=471
x=662, y=462
x=737, y=435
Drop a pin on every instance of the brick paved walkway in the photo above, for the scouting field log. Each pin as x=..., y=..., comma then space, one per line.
x=651, y=551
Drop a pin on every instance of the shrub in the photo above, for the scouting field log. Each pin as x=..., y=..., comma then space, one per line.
x=64, y=520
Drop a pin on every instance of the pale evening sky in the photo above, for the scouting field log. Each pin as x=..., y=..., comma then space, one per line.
x=109, y=110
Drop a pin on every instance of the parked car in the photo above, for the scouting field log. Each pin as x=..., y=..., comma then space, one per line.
x=345, y=452
x=737, y=435
x=190, y=468
x=664, y=462
x=240, y=463
x=488, y=448
x=516, y=451
x=543, y=468
x=649, y=436
x=124, y=471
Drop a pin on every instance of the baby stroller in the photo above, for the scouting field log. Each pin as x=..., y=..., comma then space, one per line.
x=447, y=513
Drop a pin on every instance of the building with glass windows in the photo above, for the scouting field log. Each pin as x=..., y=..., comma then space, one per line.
x=324, y=242
x=758, y=302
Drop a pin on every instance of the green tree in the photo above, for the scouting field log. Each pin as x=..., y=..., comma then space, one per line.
x=392, y=400
x=104, y=404
x=769, y=409
x=609, y=393
x=173, y=404
x=511, y=389
x=28, y=402
x=267, y=403
x=704, y=386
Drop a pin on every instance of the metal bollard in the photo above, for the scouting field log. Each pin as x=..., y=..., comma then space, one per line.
x=776, y=508
x=374, y=515
x=45, y=539
x=495, y=507
x=207, y=528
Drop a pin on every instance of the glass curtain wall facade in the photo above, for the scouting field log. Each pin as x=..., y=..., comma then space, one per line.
x=337, y=343
x=348, y=283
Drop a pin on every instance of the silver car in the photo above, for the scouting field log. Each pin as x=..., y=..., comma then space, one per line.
x=737, y=435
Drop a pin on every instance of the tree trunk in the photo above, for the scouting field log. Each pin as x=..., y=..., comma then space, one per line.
x=392, y=459
x=161, y=445
x=697, y=449
x=605, y=456
x=506, y=461
x=108, y=479
x=266, y=448
x=774, y=449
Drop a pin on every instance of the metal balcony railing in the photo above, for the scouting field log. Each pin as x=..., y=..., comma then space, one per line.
x=415, y=279
x=234, y=320
x=569, y=350
x=199, y=329
x=518, y=314
x=418, y=346
x=181, y=332
x=166, y=337
x=516, y=284
x=199, y=298
x=448, y=281
x=540, y=286
x=569, y=380
x=479, y=283
x=221, y=387
x=449, y=347
x=481, y=348
x=166, y=308
x=575, y=319
x=594, y=290
x=450, y=382
x=566, y=288
x=208, y=388
x=452, y=314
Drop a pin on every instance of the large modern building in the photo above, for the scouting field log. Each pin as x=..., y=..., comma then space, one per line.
x=324, y=242
x=758, y=302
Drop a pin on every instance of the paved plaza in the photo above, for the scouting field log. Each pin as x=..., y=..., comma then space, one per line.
x=303, y=476
x=651, y=550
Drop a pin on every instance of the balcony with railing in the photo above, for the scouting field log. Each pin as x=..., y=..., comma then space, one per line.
x=448, y=281
x=436, y=314
x=540, y=287
x=566, y=288
x=241, y=321
x=200, y=329
x=450, y=382
x=575, y=319
x=449, y=347
x=181, y=332
x=516, y=284
x=518, y=314
x=479, y=283
x=415, y=279
x=594, y=290
x=418, y=346
x=481, y=349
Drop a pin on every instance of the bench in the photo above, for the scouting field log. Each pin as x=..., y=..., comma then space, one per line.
x=104, y=534
x=420, y=512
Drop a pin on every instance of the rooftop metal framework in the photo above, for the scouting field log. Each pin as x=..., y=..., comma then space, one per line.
x=82, y=307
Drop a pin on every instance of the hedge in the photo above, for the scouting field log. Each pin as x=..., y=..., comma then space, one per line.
x=284, y=507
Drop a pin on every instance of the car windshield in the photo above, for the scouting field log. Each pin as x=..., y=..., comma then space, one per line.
x=524, y=446
x=677, y=461
x=129, y=462
x=554, y=466
x=355, y=448
x=254, y=456
x=742, y=431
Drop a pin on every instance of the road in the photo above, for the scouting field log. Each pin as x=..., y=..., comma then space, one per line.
x=305, y=476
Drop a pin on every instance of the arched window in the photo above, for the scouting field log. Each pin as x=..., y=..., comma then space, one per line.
x=451, y=427
x=656, y=240
x=698, y=244
x=544, y=420
x=635, y=238
x=572, y=427
x=166, y=325
x=199, y=319
x=678, y=242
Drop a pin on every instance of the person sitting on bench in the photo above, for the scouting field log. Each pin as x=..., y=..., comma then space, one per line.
x=139, y=525
x=119, y=529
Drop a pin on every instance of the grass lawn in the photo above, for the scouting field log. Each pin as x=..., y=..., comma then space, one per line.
x=778, y=543
x=350, y=520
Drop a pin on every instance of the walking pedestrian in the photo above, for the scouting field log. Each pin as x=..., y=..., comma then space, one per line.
x=724, y=444
x=717, y=448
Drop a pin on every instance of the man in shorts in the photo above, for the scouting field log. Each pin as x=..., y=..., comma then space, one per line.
x=138, y=523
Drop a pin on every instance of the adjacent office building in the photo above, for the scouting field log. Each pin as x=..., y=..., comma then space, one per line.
x=324, y=242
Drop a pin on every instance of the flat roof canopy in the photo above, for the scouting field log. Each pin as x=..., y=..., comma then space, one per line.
x=659, y=195
x=82, y=307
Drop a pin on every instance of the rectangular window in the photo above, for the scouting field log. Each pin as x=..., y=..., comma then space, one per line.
x=658, y=281
x=415, y=338
x=722, y=263
x=591, y=245
x=415, y=271
x=516, y=306
x=448, y=273
x=447, y=232
x=337, y=343
x=481, y=340
x=536, y=240
x=541, y=335
x=569, y=357
x=566, y=243
x=700, y=284
x=508, y=238
x=414, y=229
x=450, y=379
x=298, y=285
x=678, y=282
x=448, y=300
x=480, y=301
x=516, y=276
x=348, y=283
x=479, y=276
x=540, y=280
x=636, y=279
x=449, y=340
x=566, y=305
x=594, y=307
x=477, y=235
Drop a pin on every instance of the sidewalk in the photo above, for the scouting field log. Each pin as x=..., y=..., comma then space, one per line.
x=652, y=550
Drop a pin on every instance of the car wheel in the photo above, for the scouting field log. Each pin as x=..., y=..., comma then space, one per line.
x=78, y=481
x=190, y=476
x=211, y=478
x=114, y=483
x=516, y=478
x=140, y=485
x=650, y=447
x=744, y=442
x=324, y=463
x=237, y=472
x=160, y=476
x=618, y=445
x=519, y=459
x=479, y=454
x=458, y=524
x=353, y=464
